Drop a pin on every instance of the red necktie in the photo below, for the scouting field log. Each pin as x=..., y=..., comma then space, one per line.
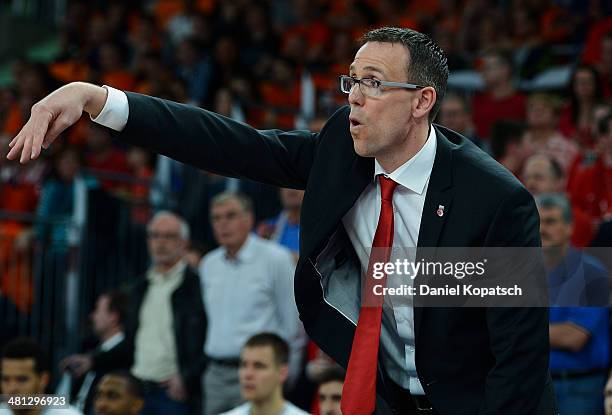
x=359, y=391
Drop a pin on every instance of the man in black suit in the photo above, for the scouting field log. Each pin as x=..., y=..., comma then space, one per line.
x=112, y=353
x=444, y=191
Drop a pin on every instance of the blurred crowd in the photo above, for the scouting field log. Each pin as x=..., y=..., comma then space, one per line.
x=275, y=64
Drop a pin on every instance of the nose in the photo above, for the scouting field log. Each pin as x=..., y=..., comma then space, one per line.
x=355, y=97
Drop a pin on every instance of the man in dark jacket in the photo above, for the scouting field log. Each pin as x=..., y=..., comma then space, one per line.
x=167, y=322
x=448, y=193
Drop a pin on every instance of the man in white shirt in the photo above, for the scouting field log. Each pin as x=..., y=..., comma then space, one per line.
x=263, y=371
x=25, y=373
x=247, y=284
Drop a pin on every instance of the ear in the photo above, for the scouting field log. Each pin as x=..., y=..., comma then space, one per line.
x=284, y=372
x=426, y=100
x=44, y=381
x=137, y=405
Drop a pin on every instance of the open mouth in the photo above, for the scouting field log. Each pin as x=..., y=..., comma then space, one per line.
x=354, y=123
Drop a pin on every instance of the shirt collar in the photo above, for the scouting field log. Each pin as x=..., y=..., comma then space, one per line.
x=414, y=173
x=173, y=273
x=247, y=251
x=112, y=342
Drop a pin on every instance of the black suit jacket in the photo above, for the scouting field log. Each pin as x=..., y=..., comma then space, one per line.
x=189, y=320
x=117, y=358
x=470, y=361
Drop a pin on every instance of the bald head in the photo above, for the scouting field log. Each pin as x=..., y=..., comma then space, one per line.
x=543, y=174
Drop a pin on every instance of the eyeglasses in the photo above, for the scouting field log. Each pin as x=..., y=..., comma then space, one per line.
x=168, y=236
x=371, y=87
x=232, y=215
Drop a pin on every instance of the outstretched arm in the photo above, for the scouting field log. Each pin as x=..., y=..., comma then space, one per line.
x=188, y=134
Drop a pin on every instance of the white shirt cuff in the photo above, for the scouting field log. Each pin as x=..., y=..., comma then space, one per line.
x=116, y=110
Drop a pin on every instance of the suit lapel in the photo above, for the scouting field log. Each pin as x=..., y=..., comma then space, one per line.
x=437, y=203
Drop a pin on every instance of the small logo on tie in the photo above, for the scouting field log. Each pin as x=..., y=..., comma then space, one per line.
x=440, y=211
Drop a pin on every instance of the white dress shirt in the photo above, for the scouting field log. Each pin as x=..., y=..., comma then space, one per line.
x=360, y=222
x=245, y=409
x=5, y=410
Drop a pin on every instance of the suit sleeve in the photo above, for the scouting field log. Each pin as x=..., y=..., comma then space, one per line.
x=518, y=336
x=219, y=144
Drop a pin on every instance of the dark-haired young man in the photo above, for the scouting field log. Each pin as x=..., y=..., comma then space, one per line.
x=379, y=174
x=119, y=393
x=25, y=373
x=329, y=391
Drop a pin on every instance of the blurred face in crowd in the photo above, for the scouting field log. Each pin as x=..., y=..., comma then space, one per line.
x=112, y=398
x=110, y=59
x=102, y=318
x=68, y=165
x=260, y=375
x=381, y=126
x=454, y=115
x=538, y=176
x=231, y=223
x=166, y=244
x=495, y=71
x=604, y=141
x=554, y=230
x=330, y=395
x=608, y=397
x=19, y=377
x=291, y=198
x=540, y=114
x=584, y=84
x=98, y=139
x=606, y=53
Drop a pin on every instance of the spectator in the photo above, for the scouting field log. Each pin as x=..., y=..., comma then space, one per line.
x=63, y=197
x=509, y=145
x=543, y=133
x=330, y=391
x=542, y=174
x=285, y=228
x=195, y=69
x=248, y=288
x=103, y=157
x=263, y=371
x=455, y=113
x=25, y=372
x=168, y=323
x=112, y=67
x=119, y=393
x=579, y=337
x=604, y=66
x=112, y=353
x=585, y=92
x=499, y=100
x=591, y=188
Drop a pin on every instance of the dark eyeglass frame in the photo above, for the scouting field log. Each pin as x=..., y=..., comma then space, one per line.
x=374, y=84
